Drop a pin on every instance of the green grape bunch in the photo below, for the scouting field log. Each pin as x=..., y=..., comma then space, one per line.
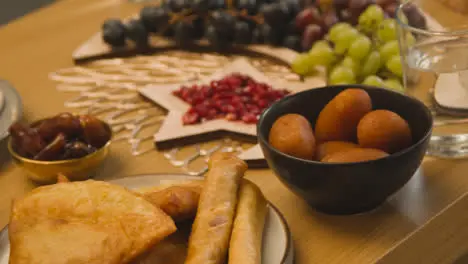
x=365, y=50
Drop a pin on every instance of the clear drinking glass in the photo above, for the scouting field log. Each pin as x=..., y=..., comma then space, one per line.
x=434, y=58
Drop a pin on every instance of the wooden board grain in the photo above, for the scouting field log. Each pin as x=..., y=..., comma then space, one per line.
x=96, y=48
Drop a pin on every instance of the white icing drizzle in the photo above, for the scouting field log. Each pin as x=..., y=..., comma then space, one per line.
x=108, y=88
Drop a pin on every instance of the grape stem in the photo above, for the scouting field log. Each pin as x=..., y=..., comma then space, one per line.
x=176, y=17
x=189, y=15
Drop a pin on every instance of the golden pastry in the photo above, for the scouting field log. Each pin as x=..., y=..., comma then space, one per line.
x=211, y=230
x=179, y=201
x=84, y=222
x=245, y=246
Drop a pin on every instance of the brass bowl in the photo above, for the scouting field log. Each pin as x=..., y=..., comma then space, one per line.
x=46, y=172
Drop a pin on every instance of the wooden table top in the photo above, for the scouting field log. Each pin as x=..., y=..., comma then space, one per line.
x=423, y=223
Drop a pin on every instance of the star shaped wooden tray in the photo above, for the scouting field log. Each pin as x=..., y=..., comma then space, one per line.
x=174, y=132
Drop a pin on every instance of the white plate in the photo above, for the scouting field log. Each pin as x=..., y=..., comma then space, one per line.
x=277, y=242
x=11, y=107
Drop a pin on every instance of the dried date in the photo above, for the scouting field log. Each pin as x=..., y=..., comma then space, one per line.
x=53, y=151
x=65, y=123
x=26, y=141
x=95, y=132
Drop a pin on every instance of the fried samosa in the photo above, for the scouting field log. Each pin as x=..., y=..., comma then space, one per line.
x=84, y=222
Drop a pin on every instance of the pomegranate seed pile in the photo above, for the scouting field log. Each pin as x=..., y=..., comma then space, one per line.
x=236, y=97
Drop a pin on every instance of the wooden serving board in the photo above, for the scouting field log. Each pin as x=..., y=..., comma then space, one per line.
x=96, y=48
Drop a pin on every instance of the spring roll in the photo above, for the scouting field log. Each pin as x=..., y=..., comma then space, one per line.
x=211, y=230
x=246, y=238
x=179, y=201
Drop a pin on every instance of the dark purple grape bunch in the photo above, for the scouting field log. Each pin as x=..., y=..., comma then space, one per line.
x=152, y=19
x=222, y=23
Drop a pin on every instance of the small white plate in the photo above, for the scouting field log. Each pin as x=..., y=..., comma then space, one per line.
x=277, y=242
x=11, y=108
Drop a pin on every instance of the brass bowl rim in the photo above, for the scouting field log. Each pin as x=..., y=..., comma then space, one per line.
x=59, y=162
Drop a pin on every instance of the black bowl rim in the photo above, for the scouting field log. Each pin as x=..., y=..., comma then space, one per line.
x=393, y=155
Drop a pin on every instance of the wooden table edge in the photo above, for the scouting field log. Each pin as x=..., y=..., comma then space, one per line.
x=435, y=241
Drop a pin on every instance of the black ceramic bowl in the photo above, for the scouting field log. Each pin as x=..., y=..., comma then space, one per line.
x=347, y=188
